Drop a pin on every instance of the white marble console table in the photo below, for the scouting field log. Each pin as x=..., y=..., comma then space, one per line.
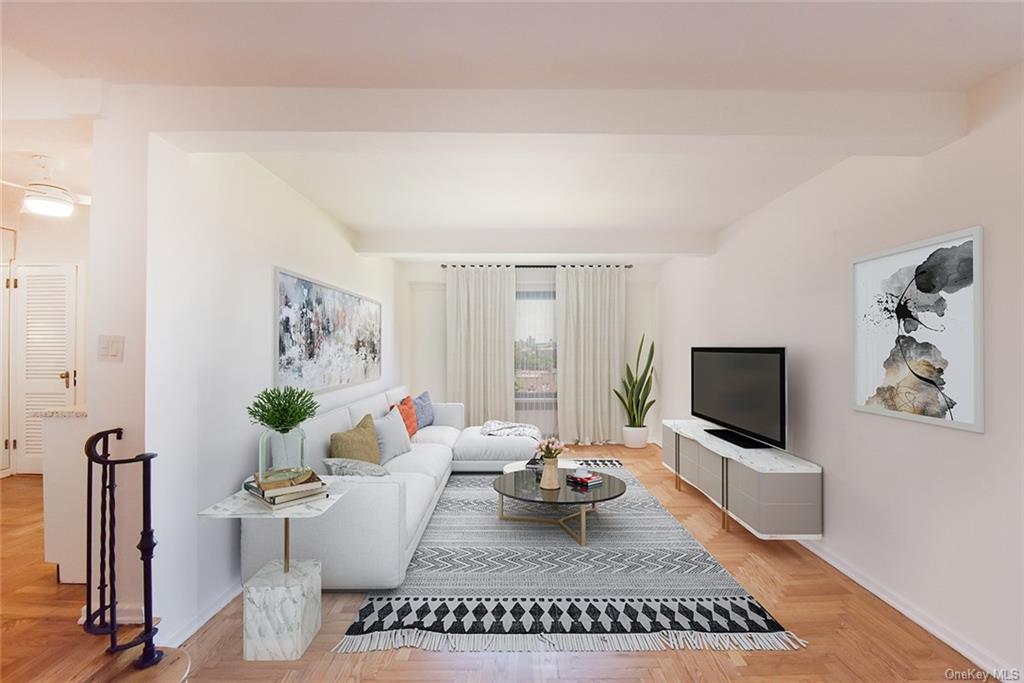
x=772, y=493
x=281, y=602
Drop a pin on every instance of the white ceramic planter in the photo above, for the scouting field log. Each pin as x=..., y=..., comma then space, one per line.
x=634, y=437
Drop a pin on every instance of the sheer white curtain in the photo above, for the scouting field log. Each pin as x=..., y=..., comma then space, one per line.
x=481, y=326
x=591, y=334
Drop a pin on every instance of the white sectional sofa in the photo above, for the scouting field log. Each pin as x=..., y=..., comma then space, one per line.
x=367, y=538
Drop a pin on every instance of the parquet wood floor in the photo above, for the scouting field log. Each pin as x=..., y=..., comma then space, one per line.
x=40, y=639
x=853, y=635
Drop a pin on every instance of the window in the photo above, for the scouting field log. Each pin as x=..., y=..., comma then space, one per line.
x=535, y=349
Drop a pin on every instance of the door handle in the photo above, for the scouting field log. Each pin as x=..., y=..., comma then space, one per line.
x=66, y=376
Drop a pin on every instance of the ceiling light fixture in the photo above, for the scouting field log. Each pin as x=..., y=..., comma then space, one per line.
x=44, y=199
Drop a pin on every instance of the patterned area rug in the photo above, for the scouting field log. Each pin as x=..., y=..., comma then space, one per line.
x=479, y=584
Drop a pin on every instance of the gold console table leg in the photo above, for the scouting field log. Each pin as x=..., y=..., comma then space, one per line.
x=287, y=534
x=675, y=474
x=725, y=493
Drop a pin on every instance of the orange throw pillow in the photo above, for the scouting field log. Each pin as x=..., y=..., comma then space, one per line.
x=408, y=412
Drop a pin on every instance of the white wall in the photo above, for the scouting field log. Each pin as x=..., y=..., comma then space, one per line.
x=210, y=334
x=683, y=323
x=422, y=310
x=929, y=518
x=41, y=237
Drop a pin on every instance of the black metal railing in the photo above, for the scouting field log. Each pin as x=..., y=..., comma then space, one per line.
x=103, y=619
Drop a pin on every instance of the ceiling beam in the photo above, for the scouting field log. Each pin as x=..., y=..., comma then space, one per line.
x=445, y=243
x=927, y=119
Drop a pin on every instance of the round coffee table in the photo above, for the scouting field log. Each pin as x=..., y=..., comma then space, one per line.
x=524, y=485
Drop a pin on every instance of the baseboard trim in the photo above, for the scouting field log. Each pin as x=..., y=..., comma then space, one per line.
x=181, y=635
x=981, y=657
x=977, y=654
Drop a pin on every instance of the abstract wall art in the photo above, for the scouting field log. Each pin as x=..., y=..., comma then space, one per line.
x=326, y=337
x=918, y=331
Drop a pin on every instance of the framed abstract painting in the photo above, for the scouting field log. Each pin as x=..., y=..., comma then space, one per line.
x=917, y=332
x=326, y=337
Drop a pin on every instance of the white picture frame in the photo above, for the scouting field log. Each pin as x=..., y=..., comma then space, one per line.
x=349, y=354
x=954, y=339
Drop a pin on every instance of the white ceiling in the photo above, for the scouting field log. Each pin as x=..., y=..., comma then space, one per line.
x=823, y=46
x=716, y=157
x=445, y=182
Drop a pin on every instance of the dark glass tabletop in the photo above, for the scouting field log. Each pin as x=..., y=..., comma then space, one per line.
x=525, y=485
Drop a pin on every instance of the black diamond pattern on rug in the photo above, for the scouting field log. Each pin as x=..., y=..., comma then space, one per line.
x=594, y=615
x=477, y=583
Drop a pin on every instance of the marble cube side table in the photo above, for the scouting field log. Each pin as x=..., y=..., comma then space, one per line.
x=281, y=602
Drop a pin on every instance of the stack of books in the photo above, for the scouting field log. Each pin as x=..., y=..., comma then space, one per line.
x=281, y=493
x=588, y=482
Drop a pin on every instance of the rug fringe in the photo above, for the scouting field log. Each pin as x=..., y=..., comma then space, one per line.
x=569, y=642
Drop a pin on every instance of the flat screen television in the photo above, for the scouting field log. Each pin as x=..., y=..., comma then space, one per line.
x=742, y=389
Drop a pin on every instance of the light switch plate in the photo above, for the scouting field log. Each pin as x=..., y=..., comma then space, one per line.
x=111, y=348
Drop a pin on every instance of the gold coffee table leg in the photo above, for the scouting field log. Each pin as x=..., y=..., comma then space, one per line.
x=583, y=525
x=580, y=537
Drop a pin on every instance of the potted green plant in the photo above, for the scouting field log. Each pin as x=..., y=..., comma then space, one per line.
x=635, y=398
x=549, y=450
x=283, y=443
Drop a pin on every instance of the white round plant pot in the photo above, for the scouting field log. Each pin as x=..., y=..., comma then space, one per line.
x=634, y=437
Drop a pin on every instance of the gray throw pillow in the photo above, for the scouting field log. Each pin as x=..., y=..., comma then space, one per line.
x=392, y=437
x=353, y=468
x=424, y=410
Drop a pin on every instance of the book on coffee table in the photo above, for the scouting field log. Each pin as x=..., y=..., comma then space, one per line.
x=591, y=480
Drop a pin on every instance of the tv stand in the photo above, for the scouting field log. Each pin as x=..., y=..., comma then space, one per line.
x=772, y=493
x=736, y=438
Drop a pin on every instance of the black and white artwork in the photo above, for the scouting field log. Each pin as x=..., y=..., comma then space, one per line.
x=917, y=331
x=326, y=337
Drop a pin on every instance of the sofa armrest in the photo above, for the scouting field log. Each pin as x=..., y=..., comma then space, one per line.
x=450, y=415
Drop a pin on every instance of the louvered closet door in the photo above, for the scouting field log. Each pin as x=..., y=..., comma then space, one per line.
x=44, y=349
x=5, y=364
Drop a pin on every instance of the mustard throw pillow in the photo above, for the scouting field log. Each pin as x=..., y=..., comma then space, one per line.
x=359, y=443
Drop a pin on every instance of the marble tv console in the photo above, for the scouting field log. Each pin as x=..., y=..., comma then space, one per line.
x=772, y=493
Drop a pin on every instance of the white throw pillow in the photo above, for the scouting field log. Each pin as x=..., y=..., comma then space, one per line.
x=392, y=437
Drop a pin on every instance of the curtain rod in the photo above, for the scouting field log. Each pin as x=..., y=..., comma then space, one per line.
x=522, y=265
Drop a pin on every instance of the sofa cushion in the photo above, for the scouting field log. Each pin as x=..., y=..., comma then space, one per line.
x=358, y=443
x=392, y=439
x=408, y=412
x=419, y=491
x=446, y=436
x=424, y=410
x=395, y=395
x=431, y=459
x=472, y=445
x=375, y=405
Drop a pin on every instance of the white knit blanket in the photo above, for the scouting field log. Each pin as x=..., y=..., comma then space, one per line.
x=502, y=428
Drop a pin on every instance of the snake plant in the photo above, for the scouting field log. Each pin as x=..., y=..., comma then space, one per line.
x=636, y=388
